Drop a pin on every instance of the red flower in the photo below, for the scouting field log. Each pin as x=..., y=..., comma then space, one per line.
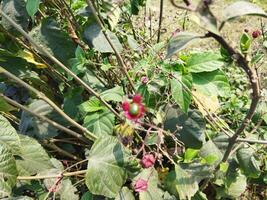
x=134, y=110
x=256, y=33
x=148, y=161
x=140, y=185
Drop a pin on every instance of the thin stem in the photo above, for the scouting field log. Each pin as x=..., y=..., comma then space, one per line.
x=251, y=141
x=67, y=174
x=45, y=119
x=160, y=20
x=60, y=64
x=188, y=7
x=60, y=151
x=47, y=100
x=119, y=58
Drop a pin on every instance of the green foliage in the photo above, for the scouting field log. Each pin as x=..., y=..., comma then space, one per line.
x=193, y=102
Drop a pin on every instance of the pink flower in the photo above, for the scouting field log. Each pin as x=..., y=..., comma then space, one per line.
x=148, y=161
x=256, y=33
x=174, y=33
x=140, y=185
x=134, y=110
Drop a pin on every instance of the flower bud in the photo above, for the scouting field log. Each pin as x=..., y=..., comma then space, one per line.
x=148, y=161
x=144, y=80
x=140, y=185
x=256, y=33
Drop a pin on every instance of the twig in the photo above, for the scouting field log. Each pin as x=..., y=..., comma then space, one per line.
x=251, y=141
x=252, y=75
x=67, y=174
x=43, y=118
x=40, y=95
x=119, y=58
x=61, y=151
x=160, y=20
x=188, y=7
x=56, y=61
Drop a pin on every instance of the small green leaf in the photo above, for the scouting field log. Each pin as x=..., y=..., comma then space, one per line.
x=100, y=123
x=181, y=183
x=105, y=172
x=8, y=170
x=5, y=107
x=192, y=123
x=114, y=94
x=190, y=154
x=224, y=167
x=181, y=91
x=245, y=42
x=248, y=163
x=95, y=38
x=210, y=153
x=125, y=194
x=153, y=191
x=180, y=41
x=33, y=158
x=204, y=62
x=211, y=83
x=241, y=8
x=32, y=7
x=9, y=135
x=91, y=105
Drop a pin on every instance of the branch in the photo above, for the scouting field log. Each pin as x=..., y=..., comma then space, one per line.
x=160, y=20
x=119, y=58
x=57, y=62
x=40, y=95
x=43, y=118
x=187, y=7
x=67, y=174
x=253, y=79
x=60, y=151
x=252, y=141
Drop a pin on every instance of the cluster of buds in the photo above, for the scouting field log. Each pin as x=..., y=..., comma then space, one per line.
x=134, y=109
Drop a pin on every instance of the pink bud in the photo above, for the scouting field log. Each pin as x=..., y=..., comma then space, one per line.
x=256, y=33
x=144, y=79
x=140, y=185
x=148, y=161
x=137, y=98
x=125, y=106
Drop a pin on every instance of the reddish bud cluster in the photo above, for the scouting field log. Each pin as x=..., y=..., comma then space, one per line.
x=134, y=110
x=256, y=33
x=148, y=160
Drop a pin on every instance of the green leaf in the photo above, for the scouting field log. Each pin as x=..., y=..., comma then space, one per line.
x=211, y=83
x=125, y=194
x=153, y=191
x=35, y=127
x=204, y=62
x=205, y=18
x=68, y=191
x=210, y=153
x=190, y=154
x=8, y=170
x=100, y=123
x=114, y=94
x=95, y=38
x=32, y=7
x=71, y=102
x=33, y=158
x=5, y=189
x=181, y=91
x=192, y=123
x=245, y=42
x=105, y=172
x=242, y=8
x=180, y=41
x=9, y=135
x=181, y=183
x=91, y=105
x=6, y=107
x=16, y=10
x=234, y=187
x=199, y=196
x=49, y=35
x=248, y=163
